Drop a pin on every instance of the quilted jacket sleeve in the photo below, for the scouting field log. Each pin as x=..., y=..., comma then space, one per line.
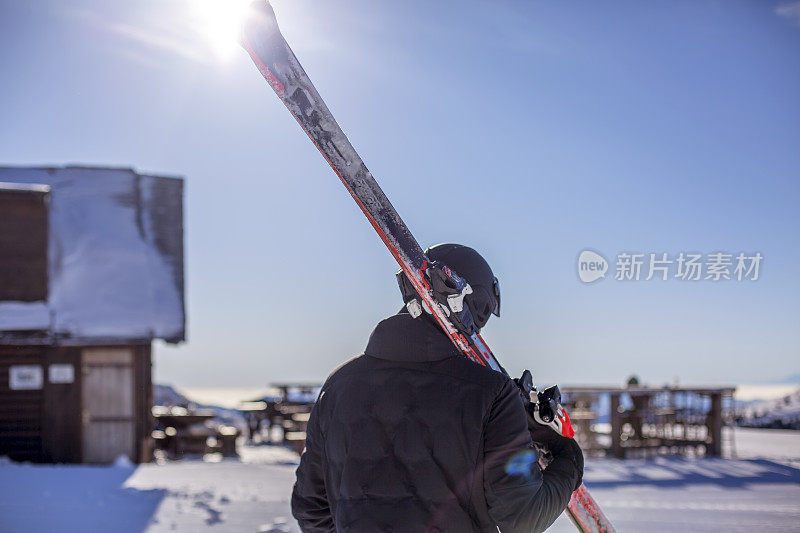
x=309, y=499
x=519, y=496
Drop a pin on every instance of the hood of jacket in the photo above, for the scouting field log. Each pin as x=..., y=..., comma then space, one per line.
x=403, y=338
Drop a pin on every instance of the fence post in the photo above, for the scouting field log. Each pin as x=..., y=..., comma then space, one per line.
x=616, y=426
x=715, y=425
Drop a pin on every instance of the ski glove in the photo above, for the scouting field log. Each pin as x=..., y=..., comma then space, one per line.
x=561, y=448
x=550, y=427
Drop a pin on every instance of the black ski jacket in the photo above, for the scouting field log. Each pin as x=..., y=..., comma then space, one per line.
x=412, y=436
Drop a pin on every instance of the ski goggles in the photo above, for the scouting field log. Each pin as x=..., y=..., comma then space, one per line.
x=496, y=291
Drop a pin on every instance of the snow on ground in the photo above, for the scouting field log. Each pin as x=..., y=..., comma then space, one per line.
x=247, y=495
x=757, y=491
x=686, y=495
x=779, y=445
x=760, y=489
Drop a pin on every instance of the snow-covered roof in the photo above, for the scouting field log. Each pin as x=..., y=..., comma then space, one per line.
x=115, y=258
x=36, y=187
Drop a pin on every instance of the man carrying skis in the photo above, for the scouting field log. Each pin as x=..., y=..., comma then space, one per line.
x=412, y=436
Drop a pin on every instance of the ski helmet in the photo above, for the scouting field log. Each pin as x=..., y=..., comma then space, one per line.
x=485, y=298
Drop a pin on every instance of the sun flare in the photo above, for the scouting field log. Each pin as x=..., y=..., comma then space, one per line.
x=220, y=22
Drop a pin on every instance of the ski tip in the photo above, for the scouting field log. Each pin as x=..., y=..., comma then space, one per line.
x=260, y=19
x=265, y=8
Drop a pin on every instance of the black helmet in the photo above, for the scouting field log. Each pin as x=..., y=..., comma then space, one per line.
x=485, y=298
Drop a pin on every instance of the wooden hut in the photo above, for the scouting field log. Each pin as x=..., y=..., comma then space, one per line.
x=91, y=272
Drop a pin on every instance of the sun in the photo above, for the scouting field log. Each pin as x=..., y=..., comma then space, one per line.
x=220, y=23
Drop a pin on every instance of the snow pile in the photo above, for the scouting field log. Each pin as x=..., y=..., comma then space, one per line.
x=122, y=461
x=781, y=413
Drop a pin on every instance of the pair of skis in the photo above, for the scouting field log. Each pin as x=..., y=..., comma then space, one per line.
x=269, y=51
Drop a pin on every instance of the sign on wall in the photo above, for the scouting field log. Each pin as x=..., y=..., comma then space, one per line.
x=61, y=373
x=25, y=377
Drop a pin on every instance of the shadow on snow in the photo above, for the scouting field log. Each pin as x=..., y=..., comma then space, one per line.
x=679, y=472
x=73, y=498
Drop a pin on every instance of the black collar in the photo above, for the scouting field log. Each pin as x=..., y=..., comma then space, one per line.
x=402, y=338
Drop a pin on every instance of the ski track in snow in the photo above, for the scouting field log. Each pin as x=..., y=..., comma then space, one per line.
x=251, y=494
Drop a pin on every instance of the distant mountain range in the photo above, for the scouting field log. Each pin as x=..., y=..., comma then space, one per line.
x=167, y=396
x=781, y=413
x=791, y=379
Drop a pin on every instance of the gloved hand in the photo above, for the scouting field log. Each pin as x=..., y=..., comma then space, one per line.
x=547, y=437
x=559, y=446
x=549, y=424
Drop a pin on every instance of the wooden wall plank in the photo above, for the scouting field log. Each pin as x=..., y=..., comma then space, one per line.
x=21, y=419
x=144, y=404
x=62, y=409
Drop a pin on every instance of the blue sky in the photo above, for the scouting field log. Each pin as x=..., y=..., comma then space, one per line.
x=529, y=130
